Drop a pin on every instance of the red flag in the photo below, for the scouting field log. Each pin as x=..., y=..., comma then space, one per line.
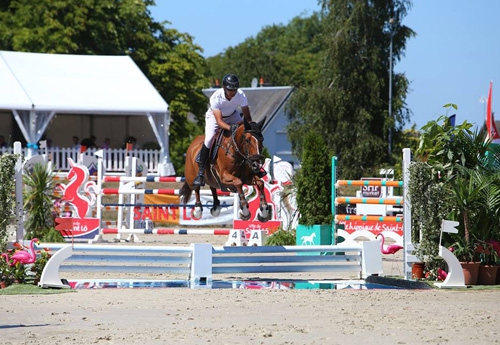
x=490, y=121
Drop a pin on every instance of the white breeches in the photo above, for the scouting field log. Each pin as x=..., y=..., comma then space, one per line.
x=211, y=125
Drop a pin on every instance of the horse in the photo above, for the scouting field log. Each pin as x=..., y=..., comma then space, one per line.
x=236, y=159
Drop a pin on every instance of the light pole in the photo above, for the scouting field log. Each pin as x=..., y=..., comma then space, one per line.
x=391, y=35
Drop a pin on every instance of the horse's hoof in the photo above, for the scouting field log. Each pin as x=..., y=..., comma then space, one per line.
x=215, y=212
x=196, y=213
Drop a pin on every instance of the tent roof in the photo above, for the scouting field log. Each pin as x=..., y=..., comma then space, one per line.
x=76, y=84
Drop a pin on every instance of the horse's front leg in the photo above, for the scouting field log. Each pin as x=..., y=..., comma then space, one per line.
x=229, y=179
x=264, y=212
x=198, y=207
x=245, y=213
x=215, y=210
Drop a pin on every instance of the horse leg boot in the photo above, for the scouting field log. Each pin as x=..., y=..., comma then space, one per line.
x=201, y=160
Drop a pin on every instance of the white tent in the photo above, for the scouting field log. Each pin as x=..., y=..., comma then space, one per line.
x=37, y=86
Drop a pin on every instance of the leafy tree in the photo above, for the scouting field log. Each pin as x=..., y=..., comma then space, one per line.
x=170, y=59
x=314, y=182
x=348, y=103
x=280, y=54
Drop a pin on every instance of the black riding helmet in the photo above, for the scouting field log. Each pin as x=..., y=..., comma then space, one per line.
x=231, y=82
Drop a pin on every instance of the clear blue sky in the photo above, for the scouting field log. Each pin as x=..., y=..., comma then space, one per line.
x=451, y=60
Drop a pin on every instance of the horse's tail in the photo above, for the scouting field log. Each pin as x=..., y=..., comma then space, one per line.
x=185, y=193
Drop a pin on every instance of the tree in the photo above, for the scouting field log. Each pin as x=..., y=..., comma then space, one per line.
x=170, y=59
x=314, y=182
x=280, y=54
x=348, y=103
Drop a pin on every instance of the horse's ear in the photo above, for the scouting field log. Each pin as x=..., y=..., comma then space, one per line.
x=247, y=125
x=261, y=122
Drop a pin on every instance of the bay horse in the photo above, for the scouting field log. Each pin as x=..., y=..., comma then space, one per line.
x=238, y=160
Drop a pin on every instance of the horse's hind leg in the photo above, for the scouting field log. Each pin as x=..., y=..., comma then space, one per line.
x=264, y=212
x=215, y=210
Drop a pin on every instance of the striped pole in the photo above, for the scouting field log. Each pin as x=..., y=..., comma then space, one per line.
x=114, y=191
x=143, y=179
x=341, y=217
x=360, y=183
x=163, y=231
x=371, y=201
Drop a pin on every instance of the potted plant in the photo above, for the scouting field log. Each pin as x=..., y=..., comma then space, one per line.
x=466, y=254
x=488, y=269
x=313, y=188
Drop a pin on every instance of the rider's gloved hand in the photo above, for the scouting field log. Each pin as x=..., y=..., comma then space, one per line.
x=234, y=127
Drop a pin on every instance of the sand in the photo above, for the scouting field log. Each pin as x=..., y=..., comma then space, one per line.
x=250, y=316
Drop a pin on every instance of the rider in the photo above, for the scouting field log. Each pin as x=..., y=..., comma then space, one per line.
x=223, y=113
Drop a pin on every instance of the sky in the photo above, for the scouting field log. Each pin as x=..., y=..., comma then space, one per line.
x=452, y=59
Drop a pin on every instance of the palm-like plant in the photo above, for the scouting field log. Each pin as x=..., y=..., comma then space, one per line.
x=468, y=189
x=39, y=184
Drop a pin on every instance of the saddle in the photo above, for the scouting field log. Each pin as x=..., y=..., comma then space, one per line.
x=219, y=136
x=212, y=156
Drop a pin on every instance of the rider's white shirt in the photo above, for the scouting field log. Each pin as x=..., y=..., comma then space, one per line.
x=218, y=101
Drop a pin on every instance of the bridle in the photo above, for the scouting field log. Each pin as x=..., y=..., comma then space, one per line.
x=254, y=162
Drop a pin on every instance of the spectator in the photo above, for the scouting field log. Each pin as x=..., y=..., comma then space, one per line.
x=131, y=143
x=107, y=143
x=76, y=142
x=88, y=142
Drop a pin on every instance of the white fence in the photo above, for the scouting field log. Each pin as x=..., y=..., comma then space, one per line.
x=201, y=261
x=114, y=159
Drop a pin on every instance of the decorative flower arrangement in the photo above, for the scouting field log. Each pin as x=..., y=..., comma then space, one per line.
x=19, y=273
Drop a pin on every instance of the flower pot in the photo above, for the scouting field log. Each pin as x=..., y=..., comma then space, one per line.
x=487, y=275
x=471, y=272
x=417, y=270
x=2, y=285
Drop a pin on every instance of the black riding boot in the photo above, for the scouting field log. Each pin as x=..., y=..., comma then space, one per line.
x=201, y=160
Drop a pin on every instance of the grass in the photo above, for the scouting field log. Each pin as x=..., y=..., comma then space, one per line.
x=29, y=289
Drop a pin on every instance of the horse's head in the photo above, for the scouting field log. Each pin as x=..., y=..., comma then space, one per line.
x=251, y=143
